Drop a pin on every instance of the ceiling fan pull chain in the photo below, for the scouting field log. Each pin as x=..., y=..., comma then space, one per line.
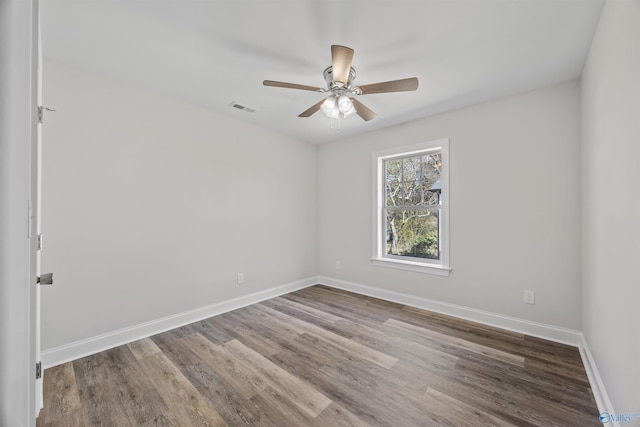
x=338, y=127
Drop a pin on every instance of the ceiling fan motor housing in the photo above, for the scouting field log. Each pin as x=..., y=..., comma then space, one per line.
x=337, y=88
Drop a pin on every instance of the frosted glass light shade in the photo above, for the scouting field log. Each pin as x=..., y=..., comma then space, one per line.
x=345, y=106
x=330, y=108
x=337, y=107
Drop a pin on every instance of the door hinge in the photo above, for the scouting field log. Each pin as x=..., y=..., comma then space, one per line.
x=39, y=241
x=38, y=370
x=41, y=110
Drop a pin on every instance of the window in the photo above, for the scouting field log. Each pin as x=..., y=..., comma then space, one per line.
x=411, y=201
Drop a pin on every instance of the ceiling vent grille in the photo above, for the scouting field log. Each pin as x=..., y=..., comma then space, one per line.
x=242, y=107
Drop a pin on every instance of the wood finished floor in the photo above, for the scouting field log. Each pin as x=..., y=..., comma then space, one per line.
x=324, y=357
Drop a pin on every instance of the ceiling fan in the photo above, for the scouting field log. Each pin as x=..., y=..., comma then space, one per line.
x=339, y=77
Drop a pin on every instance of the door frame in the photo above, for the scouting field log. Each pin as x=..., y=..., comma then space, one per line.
x=18, y=205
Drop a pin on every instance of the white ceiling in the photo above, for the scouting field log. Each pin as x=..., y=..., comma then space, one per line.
x=213, y=52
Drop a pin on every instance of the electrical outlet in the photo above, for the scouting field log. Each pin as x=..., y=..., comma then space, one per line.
x=529, y=297
x=240, y=278
x=338, y=265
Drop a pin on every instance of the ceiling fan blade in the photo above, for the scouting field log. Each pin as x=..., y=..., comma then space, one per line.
x=403, y=85
x=363, y=111
x=290, y=86
x=313, y=109
x=341, y=58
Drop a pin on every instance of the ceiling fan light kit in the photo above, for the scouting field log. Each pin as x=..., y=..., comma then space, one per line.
x=339, y=77
x=337, y=107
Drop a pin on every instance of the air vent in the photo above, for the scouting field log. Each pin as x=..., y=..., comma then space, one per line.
x=242, y=107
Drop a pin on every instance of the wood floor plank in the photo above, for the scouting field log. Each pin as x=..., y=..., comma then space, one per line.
x=143, y=348
x=253, y=334
x=299, y=358
x=383, y=387
x=335, y=415
x=144, y=404
x=450, y=411
x=323, y=357
x=233, y=408
x=339, y=304
x=211, y=383
x=245, y=382
x=549, y=367
x=161, y=420
x=274, y=325
x=517, y=406
x=310, y=401
x=64, y=403
x=365, y=403
x=500, y=406
x=346, y=379
x=180, y=396
x=279, y=408
x=525, y=394
x=467, y=345
x=370, y=354
x=101, y=408
x=556, y=389
x=210, y=329
x=301, y=311
x=114, y=377
x=383, y=338
x=450, y=323
x=71, y=419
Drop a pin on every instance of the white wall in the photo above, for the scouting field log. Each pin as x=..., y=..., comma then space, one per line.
x=151, y=206
x=514, y=207
x=610, y=206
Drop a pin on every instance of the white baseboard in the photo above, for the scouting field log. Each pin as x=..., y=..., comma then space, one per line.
x=597, y=386
x=86, y=347
x=540, y=330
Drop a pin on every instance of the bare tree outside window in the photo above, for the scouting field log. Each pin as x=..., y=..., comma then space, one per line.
x=412, y=205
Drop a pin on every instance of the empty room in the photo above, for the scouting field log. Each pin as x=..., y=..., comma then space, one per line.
x=320, y=213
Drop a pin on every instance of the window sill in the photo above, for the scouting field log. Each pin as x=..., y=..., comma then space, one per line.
x=411, y=266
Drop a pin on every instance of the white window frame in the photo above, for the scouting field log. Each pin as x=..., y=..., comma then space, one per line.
x=379, y=257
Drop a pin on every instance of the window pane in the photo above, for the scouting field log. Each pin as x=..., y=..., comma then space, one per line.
x=419, y=194
x=393, y=169
x=431, y=166
x=411, y=169
x=413, y=233
x=414, y=180
x=395, y=194
x=410, y=191
x=427, y=198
